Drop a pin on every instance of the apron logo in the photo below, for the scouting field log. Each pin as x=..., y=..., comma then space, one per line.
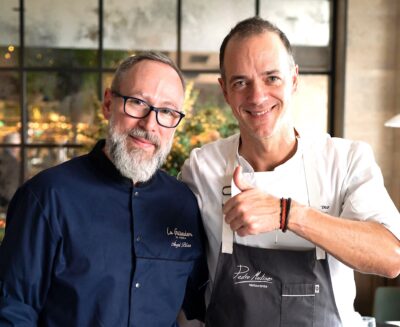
x=243, y=276
x=180, y=238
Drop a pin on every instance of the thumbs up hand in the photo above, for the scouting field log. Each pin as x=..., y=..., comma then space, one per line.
x=239, y=181
x=251, y=211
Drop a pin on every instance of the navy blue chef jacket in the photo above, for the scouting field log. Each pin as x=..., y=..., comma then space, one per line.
x=84, y=247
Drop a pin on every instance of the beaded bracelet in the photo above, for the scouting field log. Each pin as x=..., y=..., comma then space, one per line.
x=286, y=221
x=283, y=213
x=285, y=205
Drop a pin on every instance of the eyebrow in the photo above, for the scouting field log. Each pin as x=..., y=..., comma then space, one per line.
x=265, y=73
x=236, y=77
x=164, y=104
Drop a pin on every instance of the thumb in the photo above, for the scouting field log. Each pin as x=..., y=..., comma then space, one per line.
x=239, y=181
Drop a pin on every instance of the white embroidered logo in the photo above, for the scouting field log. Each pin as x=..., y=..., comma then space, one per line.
x=243, y=276
x=180, y=238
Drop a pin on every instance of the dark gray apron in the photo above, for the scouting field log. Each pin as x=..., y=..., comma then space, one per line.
x=255, y=287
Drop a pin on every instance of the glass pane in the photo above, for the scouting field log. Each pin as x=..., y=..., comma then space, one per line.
x=207, y=118
x=9, y=36
x=10, y=113
x=67, y=34
x=42, y=158
x=107, y=80
x=311, y=115
x=312, y=59
x=62, y=107
x=203, y=29
x=305, y=22
x=10, y=171
x=101, y=122
x=134, y=26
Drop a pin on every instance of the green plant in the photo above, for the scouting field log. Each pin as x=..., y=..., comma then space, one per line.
x=202, y=124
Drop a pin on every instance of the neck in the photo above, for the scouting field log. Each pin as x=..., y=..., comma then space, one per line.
x=267, y=154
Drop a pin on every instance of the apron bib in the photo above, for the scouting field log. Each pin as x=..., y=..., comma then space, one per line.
x=255, y=287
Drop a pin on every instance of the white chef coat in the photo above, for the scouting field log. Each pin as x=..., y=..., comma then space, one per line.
x=351, y=186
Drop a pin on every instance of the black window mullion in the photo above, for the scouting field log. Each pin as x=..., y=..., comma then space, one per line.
x=100, y=51
x=257, y=9
x=23, y=91
x=179, y=33
x=338, y=63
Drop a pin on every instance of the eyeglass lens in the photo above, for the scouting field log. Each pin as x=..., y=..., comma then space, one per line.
x=139, y=109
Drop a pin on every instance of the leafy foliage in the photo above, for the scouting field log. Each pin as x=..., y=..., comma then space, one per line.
x=202, y=124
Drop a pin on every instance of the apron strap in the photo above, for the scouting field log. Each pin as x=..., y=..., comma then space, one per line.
x=227, y=238
x=227, y=233
x=313, y=187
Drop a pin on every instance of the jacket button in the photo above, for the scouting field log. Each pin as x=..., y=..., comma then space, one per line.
x=136, y=194
x=137, y=285
x=138, y=238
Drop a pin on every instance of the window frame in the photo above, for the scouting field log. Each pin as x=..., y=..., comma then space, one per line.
x=332, y=56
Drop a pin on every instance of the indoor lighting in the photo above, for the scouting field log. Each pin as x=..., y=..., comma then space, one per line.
x=393, y=122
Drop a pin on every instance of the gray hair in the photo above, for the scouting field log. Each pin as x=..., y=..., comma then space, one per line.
x=250, y=27
x=129, y=62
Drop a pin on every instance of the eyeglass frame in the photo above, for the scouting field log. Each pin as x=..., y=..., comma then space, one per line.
x=152, y=108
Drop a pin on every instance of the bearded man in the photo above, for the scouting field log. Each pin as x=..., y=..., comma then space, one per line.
x=108, y=239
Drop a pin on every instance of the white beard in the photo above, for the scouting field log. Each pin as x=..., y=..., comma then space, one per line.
x=133, y=163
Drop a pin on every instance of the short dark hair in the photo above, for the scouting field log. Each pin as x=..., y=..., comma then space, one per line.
x=249, y=27
x=129, y=62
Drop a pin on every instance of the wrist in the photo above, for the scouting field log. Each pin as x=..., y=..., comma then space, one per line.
x=297, y=215
x=285, y=206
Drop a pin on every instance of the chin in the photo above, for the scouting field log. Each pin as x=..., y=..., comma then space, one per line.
x=261, y=134
x=134, y=147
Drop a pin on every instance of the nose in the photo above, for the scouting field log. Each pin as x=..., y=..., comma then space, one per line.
x=149, y=123
x=258, y=92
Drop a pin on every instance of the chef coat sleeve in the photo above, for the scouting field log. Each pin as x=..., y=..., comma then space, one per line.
x=194, y=302
x=26, y=260
x=366, y=197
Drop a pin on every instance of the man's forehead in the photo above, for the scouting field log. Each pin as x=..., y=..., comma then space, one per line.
x=159, y=70
x=267, y=41
x=144, y=65
x=264, y=49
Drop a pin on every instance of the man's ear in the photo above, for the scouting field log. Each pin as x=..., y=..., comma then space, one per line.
x=223, y=88
x=295, y=78
x=106, y=106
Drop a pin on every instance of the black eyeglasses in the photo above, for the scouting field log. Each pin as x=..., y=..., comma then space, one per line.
x=138, y=108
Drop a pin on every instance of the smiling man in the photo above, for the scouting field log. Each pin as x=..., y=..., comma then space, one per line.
x=287, y=217
x=89, y=242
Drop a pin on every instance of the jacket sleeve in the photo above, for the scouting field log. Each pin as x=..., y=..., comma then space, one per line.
x=366, y=196
x=194, y=301
x=26, y=260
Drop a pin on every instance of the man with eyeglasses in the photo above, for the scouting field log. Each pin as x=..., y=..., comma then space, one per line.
x=108, y=239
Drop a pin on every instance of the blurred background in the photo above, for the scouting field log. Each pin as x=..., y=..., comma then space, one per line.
x=57, y=57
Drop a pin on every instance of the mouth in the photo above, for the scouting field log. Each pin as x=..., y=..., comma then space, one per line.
x=260, y=113
x=141, y=142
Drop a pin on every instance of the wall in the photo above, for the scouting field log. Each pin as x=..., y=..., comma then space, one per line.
x=372, y=96
x=372, y=81
x=395, y=189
